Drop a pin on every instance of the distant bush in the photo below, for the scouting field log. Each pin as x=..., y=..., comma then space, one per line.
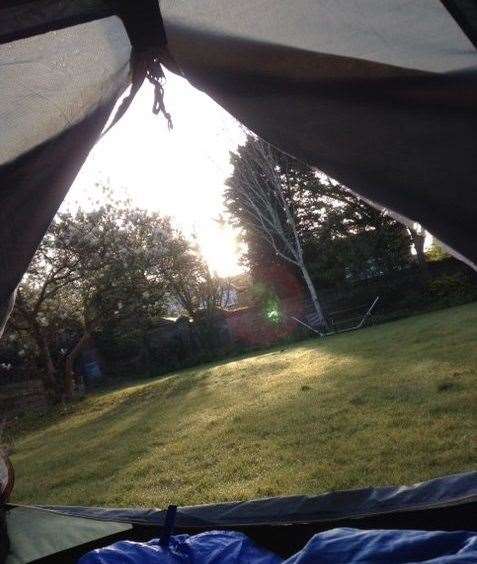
x=453, y=288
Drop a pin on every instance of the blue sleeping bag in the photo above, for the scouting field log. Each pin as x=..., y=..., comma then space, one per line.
x=390, y=547
x=227, y=547
x=350, y=546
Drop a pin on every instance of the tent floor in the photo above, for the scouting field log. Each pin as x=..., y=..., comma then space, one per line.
x=288, y=539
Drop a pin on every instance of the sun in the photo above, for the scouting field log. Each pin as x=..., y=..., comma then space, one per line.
x=179, y=173
x=221, y=249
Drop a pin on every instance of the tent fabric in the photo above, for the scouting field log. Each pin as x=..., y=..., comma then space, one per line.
x=32, y=189
x=57, y=91
x=379, y=94
x=440, y=492
x=26, y=18
x=36, y=534
x=407, y=35
x=51, y=81
x=365, y=508
x=34, y=17
x=465, y=14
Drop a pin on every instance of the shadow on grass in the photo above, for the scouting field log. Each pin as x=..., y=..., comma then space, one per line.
x=378, y=410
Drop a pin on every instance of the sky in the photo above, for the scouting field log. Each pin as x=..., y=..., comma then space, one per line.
x=179, y=173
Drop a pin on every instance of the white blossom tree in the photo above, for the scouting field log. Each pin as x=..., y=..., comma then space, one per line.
x=116, y=266
x=93, y=268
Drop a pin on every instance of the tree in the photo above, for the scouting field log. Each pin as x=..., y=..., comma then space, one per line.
x=256, y=194
x=418, y=238
x=342, y=236
x=437, y=251
x=115, y=247
x=188, y=279
x=95, y=268
x=36, y=309
x=341, y=233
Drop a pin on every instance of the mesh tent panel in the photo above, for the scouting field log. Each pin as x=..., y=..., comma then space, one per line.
x=51, y=81
x=57, y=91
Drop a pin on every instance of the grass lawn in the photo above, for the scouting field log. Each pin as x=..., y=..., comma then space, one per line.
x=390, y=404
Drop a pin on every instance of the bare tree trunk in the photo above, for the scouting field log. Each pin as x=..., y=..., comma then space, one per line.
x=34, y=329
x=49, y=374
x=50, y=367
x=418, y=239
x=69, y=376
x=269, y=212
x=314, y=296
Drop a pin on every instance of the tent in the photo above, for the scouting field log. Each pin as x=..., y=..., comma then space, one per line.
x=283, y=525
x=379, y=94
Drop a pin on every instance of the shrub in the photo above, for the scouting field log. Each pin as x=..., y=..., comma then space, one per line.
x=455, y=287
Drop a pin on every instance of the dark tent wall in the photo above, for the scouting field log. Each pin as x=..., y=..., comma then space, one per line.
x=380, y=94
x=283, y=524
x=57, y=90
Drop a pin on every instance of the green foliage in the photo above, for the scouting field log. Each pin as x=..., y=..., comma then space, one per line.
x=391, y=404
x=273, y=311
x=344, y=238
x=436, y=252
x=453, y=286
x=369, y=254
x=119, y=341
x=110, y=271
